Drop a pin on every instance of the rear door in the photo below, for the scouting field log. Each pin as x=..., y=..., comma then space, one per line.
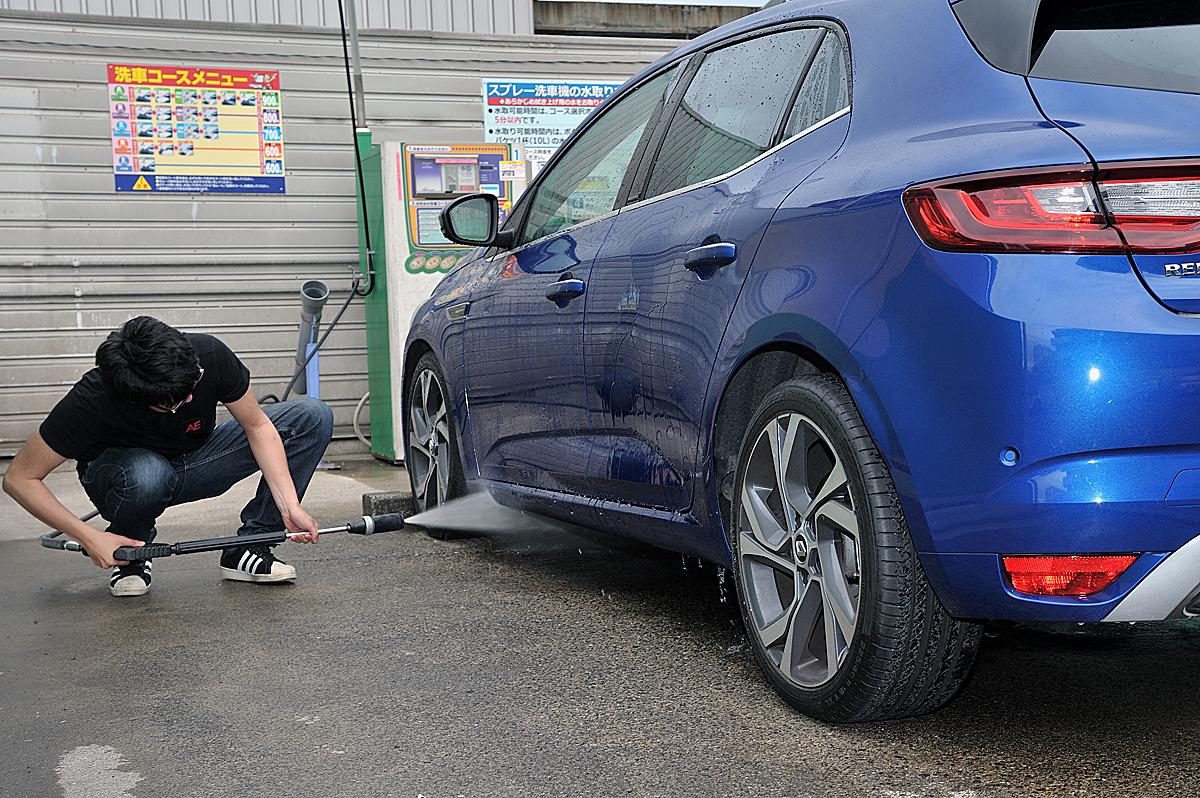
x=666, y=280
x=1122, y=78
x=527, y=406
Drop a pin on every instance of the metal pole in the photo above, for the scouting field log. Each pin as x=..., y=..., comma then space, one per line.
x=360, y=102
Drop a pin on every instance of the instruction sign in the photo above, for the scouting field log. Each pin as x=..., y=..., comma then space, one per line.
x=182, y=129
x=538, y=114
x=428, y=178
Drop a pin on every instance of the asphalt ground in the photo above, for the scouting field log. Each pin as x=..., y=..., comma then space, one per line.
x=519, y=664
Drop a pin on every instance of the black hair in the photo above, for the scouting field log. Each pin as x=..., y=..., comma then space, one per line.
x=147, y=362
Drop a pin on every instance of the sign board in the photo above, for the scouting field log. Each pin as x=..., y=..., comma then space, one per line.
x=196, y=129
x=428, y=178
x=538, y=114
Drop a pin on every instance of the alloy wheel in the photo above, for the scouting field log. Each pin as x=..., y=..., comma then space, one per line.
x=798, y=543
x=428, y=441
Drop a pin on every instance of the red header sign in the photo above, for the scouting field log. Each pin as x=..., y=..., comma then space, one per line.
x=193, y=77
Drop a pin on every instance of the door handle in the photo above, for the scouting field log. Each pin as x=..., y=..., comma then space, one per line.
x=707, y=259
x=564, y=291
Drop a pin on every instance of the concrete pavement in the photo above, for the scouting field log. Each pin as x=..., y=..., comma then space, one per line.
x=519, y=664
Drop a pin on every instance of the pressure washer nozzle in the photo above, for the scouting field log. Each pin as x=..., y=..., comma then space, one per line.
x=369, y=525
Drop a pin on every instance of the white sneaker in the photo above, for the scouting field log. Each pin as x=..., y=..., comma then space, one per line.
x=130, y=580
x=255, y=564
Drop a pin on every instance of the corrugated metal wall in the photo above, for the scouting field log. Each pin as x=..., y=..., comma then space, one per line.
x=76, y=259
x=458, y=16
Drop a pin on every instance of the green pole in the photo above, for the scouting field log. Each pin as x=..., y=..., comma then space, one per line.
x=379, y=380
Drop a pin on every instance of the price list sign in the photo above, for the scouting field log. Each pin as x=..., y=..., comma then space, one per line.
x=196, y=129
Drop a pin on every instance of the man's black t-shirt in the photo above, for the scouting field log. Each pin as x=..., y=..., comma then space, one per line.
x=87, y=420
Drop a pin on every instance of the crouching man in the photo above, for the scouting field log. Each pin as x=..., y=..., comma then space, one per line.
x=142, y=428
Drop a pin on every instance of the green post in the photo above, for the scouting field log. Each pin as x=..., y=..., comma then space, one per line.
x=379, y=375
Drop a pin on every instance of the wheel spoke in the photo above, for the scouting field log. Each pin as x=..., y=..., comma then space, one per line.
x=439, y=415
x=431, y=480
x=836, y=591
x=419, y=422
x=443, y=467
x=834, y=482
x=763, y=523
x=831, y=638
x=422, y=486
x=775, y=630
x=782, y=437
x=842, y=517
x=799, y=632
x=415, y=446
x=751, y=547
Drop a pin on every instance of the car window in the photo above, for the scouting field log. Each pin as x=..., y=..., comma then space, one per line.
x=826, y=88
x=585, y=181
x=731, y=109
x=1147, y=44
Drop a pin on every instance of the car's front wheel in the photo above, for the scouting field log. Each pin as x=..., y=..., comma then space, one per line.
x=836, y=606
x=434, y=470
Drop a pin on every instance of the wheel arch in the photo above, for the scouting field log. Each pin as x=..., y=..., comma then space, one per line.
x=417, y=348
x=773, y=359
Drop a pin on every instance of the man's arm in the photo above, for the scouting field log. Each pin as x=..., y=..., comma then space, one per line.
x=268, y=452
x=24, y=482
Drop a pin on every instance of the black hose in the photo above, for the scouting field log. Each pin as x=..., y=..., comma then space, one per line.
x=362, y=186
x=366, y=223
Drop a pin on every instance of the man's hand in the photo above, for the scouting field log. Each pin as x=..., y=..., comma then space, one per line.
x=101, y=545
x=297, y=520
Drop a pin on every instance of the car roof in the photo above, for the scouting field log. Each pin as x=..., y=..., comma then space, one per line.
x=858, y=15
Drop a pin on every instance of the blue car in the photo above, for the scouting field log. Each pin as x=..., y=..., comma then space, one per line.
x=891, y=309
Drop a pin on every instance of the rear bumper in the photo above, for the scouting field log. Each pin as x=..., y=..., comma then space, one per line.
x=1071, y=362
x=1168, y=592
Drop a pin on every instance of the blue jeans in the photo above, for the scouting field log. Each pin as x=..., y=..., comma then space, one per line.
x=132, y=487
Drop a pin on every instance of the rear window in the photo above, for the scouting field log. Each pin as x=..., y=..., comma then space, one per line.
x=1148, y=44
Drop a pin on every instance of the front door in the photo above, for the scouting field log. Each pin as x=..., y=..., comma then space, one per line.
x=665, y=283
x=527, y=406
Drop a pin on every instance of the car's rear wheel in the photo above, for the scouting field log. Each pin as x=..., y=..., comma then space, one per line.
x=434, y=470
x=836, y=606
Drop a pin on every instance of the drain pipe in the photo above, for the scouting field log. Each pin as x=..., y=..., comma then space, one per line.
x=313, y=296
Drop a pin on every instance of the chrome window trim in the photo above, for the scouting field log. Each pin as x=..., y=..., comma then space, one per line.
x=721, y=178
x=684, y=189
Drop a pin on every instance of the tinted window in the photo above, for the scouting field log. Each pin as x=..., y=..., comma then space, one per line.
x=731, y=109
x=585, y=182
x=826, y=88
x=1149, y=45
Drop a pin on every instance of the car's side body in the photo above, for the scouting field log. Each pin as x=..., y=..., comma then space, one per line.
x=612, y=407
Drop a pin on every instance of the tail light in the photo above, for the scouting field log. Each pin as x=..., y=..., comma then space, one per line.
x=1146, y=208
x=1076, y=575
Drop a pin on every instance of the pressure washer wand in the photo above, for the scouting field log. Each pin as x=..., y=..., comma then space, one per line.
x=367, y=525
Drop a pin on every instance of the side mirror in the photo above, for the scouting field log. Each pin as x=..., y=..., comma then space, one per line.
x=471, y=220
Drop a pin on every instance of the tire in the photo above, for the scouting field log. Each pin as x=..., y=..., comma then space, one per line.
x=861, y=592
x=435, y=471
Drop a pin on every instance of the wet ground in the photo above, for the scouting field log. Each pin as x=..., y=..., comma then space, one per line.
x=522, y=664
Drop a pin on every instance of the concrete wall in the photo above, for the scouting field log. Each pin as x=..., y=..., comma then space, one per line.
x=457, y=16
x=76, y=259
x=632, y=19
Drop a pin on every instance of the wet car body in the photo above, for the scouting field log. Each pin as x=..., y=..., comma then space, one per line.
x=1024, y=403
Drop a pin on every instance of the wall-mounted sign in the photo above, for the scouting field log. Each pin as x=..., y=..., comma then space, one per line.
x=538, y=114
x=196, y=129
x=428, y=178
